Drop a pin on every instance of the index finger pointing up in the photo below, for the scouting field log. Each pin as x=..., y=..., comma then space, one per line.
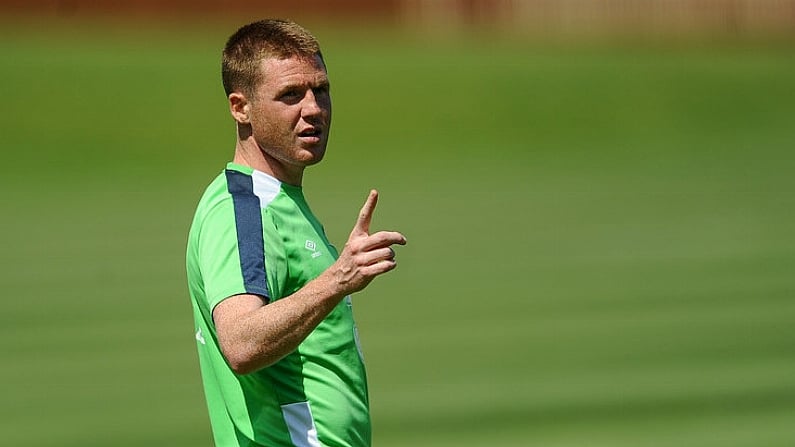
x=366, y=213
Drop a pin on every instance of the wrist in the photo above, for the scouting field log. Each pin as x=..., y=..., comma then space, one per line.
x=332, y=285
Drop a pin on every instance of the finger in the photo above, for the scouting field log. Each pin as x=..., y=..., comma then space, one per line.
x=383, y=239
x=375, y=256
x=378, y=268
x=366, y=213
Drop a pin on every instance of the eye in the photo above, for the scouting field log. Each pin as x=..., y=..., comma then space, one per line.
x=291, y=95
x=322, y=90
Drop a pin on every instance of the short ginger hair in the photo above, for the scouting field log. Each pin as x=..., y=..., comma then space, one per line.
x=249, y=45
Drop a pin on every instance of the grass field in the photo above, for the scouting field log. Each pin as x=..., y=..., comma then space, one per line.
x=601, y=246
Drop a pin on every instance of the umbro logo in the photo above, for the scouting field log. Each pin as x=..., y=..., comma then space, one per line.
x=312, y=246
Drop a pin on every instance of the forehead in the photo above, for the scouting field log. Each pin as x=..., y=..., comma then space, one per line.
x=293, y=71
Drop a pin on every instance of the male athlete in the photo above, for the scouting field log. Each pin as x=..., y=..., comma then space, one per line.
x=278, y=347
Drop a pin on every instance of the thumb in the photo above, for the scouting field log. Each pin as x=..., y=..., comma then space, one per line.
x=366, y=214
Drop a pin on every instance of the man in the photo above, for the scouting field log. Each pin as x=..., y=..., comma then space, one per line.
x=278, y=347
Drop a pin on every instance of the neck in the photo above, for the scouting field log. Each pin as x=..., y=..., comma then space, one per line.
x=248, y=153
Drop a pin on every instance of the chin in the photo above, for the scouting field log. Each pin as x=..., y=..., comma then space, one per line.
x=315, y=160
x=313, y=155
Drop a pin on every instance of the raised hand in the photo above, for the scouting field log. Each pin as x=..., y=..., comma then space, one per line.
x=365, y=255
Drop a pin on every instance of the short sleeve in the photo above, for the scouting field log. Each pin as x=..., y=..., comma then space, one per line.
x=219, y=248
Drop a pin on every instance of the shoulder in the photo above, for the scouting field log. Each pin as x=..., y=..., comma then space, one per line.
x=214, y=212
x=216, y=197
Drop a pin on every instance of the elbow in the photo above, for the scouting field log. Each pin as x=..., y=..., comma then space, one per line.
x=239, y=361
x=246, y=360
x=241, y=367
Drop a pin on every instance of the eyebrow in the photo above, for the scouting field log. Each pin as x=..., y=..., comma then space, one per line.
x=310, y=83
x=324, y=83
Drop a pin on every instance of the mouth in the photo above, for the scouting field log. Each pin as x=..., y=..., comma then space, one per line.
x=311, y=134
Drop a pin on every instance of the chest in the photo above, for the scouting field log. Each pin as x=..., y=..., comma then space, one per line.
x=306, y=249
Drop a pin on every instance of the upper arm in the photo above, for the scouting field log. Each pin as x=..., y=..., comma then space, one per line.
x=229, y=312
x=234, y=329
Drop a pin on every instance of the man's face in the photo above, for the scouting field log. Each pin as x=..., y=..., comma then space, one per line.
x=290, y=111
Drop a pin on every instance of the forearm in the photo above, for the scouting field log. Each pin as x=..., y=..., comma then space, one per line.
x=261, y=336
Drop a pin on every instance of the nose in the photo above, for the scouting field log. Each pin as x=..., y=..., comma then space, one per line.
x=310, y=106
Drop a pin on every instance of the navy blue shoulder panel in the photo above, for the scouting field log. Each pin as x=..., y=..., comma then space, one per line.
x=248, y=221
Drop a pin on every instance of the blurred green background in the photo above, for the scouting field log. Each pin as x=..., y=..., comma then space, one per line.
x=601, y=244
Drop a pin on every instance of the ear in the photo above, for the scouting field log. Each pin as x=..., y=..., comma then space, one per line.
x=239, y=107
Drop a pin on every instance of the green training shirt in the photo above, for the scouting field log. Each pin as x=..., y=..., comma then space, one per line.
x=253, y=234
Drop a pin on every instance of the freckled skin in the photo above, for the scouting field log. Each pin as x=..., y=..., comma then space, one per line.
x=286, y=120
